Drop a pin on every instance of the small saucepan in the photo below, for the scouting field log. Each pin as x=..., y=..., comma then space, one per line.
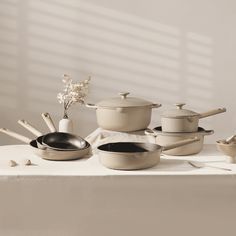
x=163, y=138
x=134, y=155
x=183, y=120
x=47, y=153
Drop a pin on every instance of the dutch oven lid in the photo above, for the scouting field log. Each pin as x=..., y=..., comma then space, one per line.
x=179, y=112
x=124, y=101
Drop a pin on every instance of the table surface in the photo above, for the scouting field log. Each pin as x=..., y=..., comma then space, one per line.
x=169, y=165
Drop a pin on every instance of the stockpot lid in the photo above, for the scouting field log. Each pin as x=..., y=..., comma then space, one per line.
x=179, y=112
x=124, y=101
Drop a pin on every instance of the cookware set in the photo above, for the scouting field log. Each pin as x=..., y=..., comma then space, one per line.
x=179, y=134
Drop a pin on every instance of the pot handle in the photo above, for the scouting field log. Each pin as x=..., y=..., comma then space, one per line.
x=15, y=135
x=156, y=105
x=212, y=112
x=91, y=105
x=180, y=143
x=150, y=132
x=208, y=132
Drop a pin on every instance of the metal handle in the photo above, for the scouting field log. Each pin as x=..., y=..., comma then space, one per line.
x=124, y=94
x=15, y=135
x=208, y=132
x=180, y=143
x=212, y=112
x=48, y=120
x=29, y=127
x=180, y=105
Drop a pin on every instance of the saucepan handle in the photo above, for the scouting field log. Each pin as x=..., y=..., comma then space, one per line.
x=212, y=112
x=15, y=135
x=150, y=132
x=180, y=143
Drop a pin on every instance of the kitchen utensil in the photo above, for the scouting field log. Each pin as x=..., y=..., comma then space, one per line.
x=63, y=141
x=163, y=138
x=133, y=155
x=29, y=127
x=228, y=149
x=48, y=120
x=202, y=165
x=47, y=153
x=124, y=113
x=183, y=120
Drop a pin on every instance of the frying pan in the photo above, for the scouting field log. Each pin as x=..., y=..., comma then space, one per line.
x=133, y=155
x=47, y=153
x=56, y=140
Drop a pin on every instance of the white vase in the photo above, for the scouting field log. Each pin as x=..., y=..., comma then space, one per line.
x=66, y=125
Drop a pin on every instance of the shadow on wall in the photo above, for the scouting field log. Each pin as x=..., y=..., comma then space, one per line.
x=41, y=40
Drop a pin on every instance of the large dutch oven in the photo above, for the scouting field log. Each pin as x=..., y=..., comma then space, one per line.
x=124, y=113
x=163, y=138
x=183, y=120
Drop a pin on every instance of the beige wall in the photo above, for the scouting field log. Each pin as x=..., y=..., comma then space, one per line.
x=163, y=50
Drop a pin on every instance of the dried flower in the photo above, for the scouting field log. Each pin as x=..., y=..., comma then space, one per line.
x=72, y=93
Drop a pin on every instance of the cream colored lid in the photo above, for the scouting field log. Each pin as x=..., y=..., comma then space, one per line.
x=124, y=101
x=179, y=112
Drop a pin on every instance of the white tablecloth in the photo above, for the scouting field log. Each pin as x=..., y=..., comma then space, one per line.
x=84, y=198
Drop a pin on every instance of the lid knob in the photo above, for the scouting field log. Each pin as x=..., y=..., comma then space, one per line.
x=124, y=94
x=180, y=105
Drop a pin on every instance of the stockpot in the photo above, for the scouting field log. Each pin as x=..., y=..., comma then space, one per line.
x=124, y=113
x=163, y=138
x=183, y=120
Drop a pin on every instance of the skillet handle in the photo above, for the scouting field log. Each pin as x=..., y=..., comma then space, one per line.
x=29, y=127
x=15, y=135
x=48, y=120
x=180, y=143
x=212, y=112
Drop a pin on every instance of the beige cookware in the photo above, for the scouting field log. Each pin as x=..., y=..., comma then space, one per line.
x=228, y=149
x=47, y=153
x=124, y=113
x=134, y=155
x=183, y=120
x=163, y=138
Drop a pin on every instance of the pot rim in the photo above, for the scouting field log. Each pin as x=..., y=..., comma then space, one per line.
x=201, y=131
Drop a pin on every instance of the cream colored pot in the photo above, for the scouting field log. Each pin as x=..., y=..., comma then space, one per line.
x=124, y=113
x=134, y=156
x=183, y=120
x=162, y=138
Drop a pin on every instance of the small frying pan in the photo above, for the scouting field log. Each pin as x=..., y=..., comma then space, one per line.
x=49, y=154
x=56, y=140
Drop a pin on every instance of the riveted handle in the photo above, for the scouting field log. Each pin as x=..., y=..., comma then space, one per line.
x=29, y=127
x=48, y=120
x=180, y=105
x=15, y=135
x=124, y=94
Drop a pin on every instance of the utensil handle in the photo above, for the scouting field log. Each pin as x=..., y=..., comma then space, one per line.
x=15, y=135
x=48, y=120
x=230, y=139
x=180, y=143
x=212, y=112
x=29, y=127
x=217, y=167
